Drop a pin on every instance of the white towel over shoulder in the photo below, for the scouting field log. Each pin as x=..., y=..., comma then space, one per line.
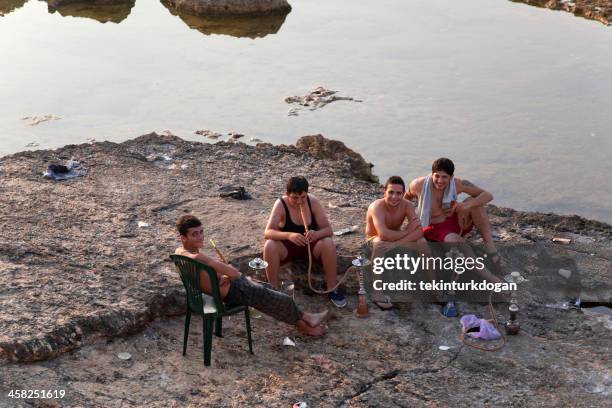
x=424, y=207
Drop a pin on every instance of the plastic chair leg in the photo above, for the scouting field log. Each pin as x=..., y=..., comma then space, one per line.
x=247, y=319
x=219, y=327
x=186, y=335
x=207, y=333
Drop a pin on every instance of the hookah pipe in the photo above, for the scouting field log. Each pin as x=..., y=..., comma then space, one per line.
x=321, y=292
x=219, y=254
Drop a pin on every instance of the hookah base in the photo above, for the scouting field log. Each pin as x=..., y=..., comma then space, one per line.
x=512, y=328
x=362, y=307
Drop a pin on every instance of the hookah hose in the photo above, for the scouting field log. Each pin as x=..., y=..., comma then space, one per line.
x=219, y=254
x=321, y=292
x=493, y=320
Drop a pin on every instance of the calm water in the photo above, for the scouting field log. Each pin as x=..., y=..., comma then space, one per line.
x=519, y=97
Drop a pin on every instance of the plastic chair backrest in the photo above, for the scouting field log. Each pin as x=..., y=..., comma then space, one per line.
x=189, y=270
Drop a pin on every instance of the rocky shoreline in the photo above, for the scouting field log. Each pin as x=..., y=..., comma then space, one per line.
x=598, y=10
x=84, y=275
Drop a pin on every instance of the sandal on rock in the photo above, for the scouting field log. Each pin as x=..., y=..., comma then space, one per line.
x=384, y=306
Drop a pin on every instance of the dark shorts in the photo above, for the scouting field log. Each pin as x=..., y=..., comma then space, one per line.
x=295, y=252
x=437, y=232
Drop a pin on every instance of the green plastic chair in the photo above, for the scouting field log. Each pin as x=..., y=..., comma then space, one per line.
x=210, y=308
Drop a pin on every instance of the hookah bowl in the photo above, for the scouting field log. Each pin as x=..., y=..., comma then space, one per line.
x=257, y=265
x=362, y=305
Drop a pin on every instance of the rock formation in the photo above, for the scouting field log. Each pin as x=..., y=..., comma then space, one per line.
x=84, y=269
x=234, y=25
x=104, y=11
x=8, y=6
x=225, y=8
x=321, y=147
x=599, y=10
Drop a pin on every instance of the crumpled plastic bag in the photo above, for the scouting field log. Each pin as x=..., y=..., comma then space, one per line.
x=486, y=330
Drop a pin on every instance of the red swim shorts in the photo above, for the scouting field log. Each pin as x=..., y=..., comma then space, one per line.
x=298, y=252
x=437, y=232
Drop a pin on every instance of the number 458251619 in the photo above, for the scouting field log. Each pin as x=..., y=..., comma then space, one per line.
x=36, y=394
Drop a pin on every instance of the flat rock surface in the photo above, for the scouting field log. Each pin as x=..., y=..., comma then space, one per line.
x=84, y=277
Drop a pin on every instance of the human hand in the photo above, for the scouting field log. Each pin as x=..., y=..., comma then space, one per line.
x=461, y=208
x=310, y=235
x=297, y=239
x=414, y=224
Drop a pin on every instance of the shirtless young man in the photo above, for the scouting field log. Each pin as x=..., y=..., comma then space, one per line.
x=384, y=220
x=238, y=290
x=448, y=220
x=287, y=239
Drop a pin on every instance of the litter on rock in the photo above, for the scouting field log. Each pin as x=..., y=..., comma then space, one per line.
x=562, y=240
x=288, y=342
x=67, y=171
x=124, y=356
x=348, y=230
x=444, y=348
x=237, y=193
x=566, y=273
x=142, y=224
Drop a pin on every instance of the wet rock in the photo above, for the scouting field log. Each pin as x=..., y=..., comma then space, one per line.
x=316, y=99
x=208, y=133
x=249, y=26
x=104, y=11
x=36, y=120
x=221, y=8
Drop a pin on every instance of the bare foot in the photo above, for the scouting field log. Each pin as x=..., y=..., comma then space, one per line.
x=306, y=329
x=315, y=319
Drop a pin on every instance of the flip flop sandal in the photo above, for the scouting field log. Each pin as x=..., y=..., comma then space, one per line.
x=384, y=306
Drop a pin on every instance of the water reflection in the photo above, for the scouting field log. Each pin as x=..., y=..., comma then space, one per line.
x=8, y=6
x=100, y=10
x=251, y=27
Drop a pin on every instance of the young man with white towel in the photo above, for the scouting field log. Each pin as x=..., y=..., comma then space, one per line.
x=445, y=219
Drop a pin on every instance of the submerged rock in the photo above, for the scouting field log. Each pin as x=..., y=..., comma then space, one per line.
x=315, y=99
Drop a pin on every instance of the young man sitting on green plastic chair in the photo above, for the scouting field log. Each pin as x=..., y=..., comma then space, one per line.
x=237, y=290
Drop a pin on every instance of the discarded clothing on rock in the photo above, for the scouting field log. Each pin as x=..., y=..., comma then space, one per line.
x=479, y=328
x=59, y=172
x=237, y=193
